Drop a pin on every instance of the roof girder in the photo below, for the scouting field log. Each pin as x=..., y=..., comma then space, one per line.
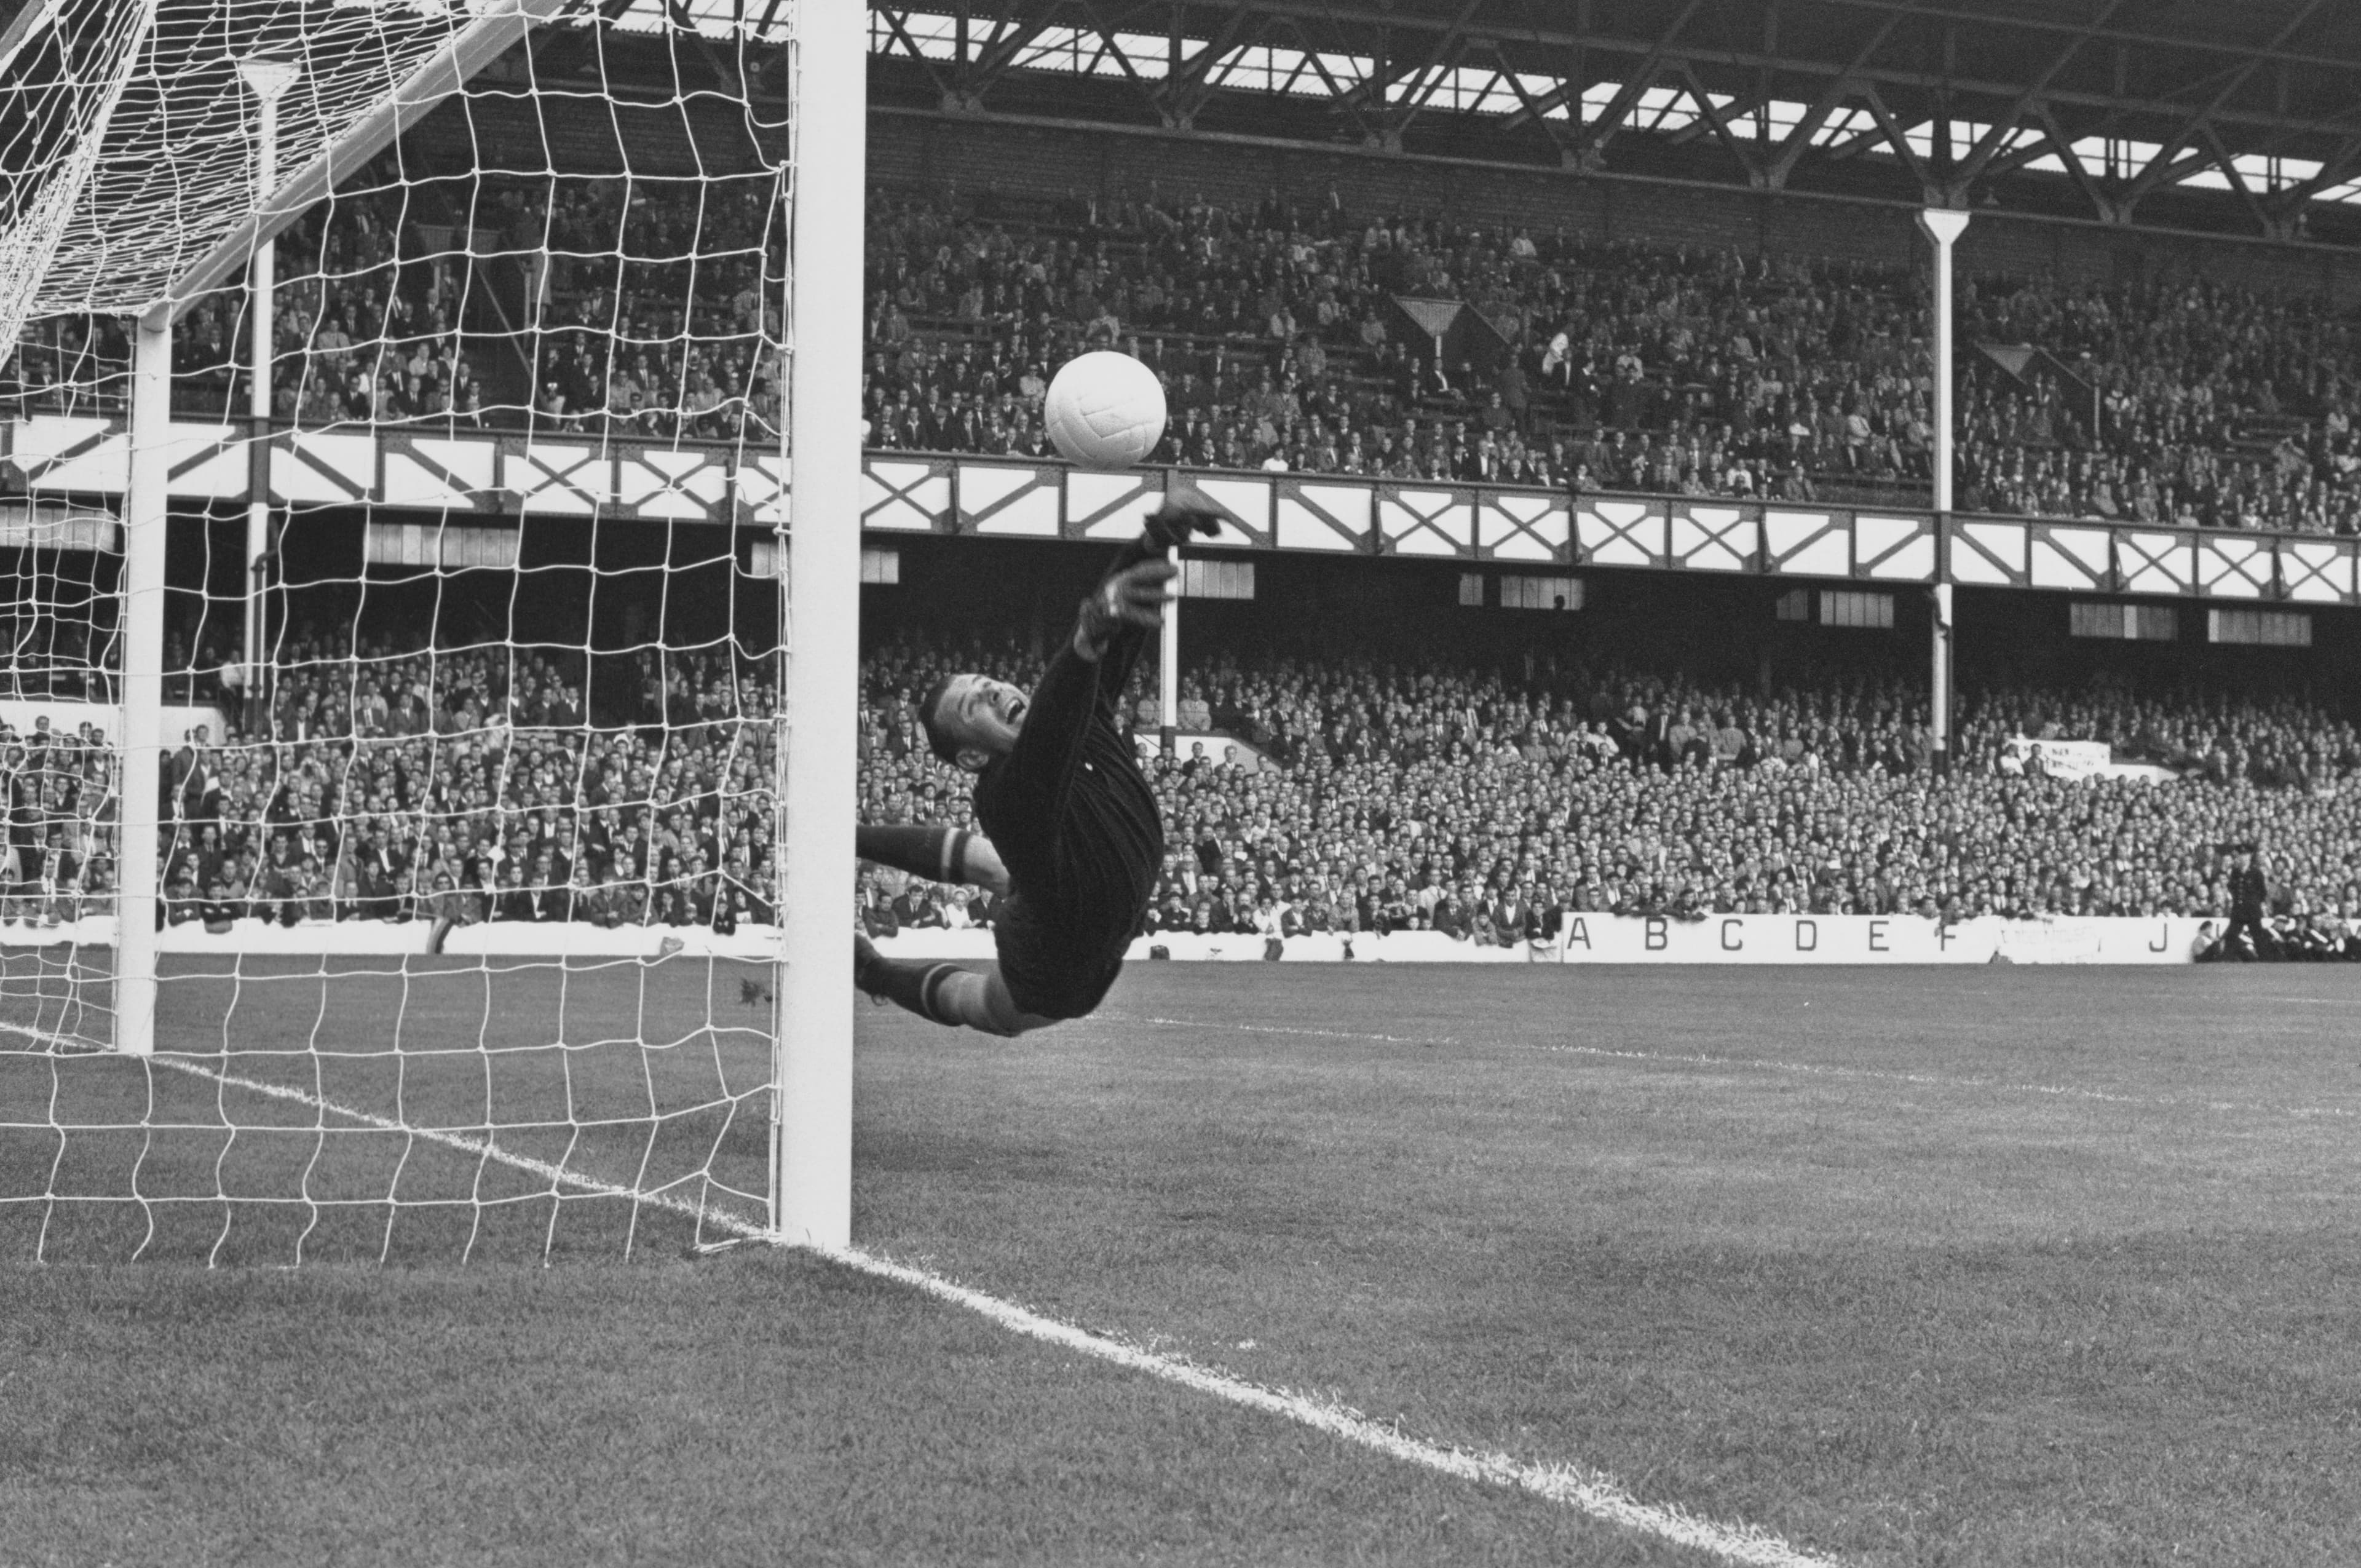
x=2198, y=116
x=1710, y=58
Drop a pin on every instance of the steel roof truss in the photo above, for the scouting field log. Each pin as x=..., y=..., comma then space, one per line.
x=2158, y=170
x=1730, y=143
x=1340, y=95
x=1595, y=137
x=1010, y=33
x=1897, y=138
x=2237, y=178
x=1996, y=134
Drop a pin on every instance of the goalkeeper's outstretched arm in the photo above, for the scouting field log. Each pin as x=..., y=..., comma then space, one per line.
x=1086, y=680
x=1129, y=600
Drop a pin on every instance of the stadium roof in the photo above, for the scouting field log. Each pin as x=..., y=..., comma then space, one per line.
x=2175, y=113
x=2257, y=101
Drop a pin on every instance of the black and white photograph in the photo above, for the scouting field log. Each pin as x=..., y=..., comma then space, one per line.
x=1180, y=781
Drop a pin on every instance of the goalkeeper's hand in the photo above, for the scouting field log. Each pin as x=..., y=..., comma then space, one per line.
x=1184, y=515
x=1133, y=597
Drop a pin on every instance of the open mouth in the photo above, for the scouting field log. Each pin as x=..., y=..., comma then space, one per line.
x=1016, y=713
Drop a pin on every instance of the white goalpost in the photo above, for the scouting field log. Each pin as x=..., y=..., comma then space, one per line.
x=812, y=1165
x=433, y=615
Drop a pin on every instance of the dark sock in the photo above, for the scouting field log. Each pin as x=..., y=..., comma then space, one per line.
x=910, y=983
x=934, y=850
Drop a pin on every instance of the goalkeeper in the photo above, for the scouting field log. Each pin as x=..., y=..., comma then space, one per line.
x=1071, y=837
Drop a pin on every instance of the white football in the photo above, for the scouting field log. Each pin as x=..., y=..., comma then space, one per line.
x=1105, y=411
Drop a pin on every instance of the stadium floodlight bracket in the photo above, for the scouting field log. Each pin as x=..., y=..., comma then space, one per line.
x=1942, y=225
x=496, y=29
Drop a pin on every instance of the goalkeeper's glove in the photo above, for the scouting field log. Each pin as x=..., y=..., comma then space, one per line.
x=1133, y=597
x=1184, y=515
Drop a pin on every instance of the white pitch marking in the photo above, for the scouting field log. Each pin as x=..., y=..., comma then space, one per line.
x=1765, y=1064
x=1589, y=1492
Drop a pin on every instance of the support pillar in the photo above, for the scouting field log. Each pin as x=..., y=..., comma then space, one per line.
x=1943, y=226
x=1168, y=673
x=140, y=636
x=1939, y=683
x=268, y=81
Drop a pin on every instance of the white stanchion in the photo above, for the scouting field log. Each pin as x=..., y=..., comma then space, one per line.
x=139, y=871
x=812, y=1152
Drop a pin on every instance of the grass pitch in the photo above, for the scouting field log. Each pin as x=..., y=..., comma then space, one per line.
x=1981, y=1267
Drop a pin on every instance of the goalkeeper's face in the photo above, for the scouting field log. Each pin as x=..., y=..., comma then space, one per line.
x=980, y=719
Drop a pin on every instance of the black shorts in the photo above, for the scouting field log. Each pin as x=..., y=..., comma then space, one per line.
x=1050, y=974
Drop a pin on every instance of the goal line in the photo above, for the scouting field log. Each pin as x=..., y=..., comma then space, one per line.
x=1585, y=1491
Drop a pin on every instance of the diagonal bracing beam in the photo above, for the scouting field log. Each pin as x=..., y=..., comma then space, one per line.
x=1187, y=88
x=1840, y=87
x=1592, y=139
x=1713, y=116
x=1010, y=35
x=2009, y=120
x=2167, y=165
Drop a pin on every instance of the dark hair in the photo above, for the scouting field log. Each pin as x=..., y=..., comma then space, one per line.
x=930, y=703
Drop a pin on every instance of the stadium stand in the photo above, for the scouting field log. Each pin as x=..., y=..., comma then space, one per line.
x=1313, y=340
x=466, y=783
x=411, y=781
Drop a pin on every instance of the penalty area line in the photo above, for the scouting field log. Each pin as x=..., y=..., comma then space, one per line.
x=1589, y=1492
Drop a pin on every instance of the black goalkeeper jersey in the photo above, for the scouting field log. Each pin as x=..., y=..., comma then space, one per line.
x=1076, y=825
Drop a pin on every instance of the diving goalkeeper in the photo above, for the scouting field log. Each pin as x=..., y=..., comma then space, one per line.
x=1071, y=835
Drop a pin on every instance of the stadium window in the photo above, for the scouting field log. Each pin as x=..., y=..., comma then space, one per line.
x=1471, y=590
x=431, y=545
x=883, y=568
x=1217, y=579
x=2260, y=628
x=1795, y=604
x=2129, y=622
x=2089, y=618
x=1540, y=593
x=53, y=525
x=492, y=547
x=1863, y=611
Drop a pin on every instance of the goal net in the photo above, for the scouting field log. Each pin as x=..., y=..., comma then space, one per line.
x=432, y=647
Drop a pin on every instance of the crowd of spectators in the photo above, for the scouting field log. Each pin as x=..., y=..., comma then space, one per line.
x=482, y=784
x=601, y=305
x=1613, y=367
x=2190, y=401
x=1282, y=342
x=437, y=785
x=1491, y=806
x=650, y=308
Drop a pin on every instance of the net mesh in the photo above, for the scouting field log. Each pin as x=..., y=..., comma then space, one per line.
x=63, y=69
x=469, y=858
